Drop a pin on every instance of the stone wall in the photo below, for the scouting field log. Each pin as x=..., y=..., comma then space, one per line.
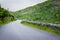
x=53, y=26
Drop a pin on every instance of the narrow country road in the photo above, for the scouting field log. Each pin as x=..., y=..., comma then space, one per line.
x=16, y=31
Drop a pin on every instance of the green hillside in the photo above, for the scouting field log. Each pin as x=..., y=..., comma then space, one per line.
x=5, y=16
x=47, y=12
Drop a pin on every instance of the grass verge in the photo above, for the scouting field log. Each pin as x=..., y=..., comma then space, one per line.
x=57, y=32
x=5, y=22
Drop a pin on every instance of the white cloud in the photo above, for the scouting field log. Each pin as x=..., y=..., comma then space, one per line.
x=15, y=5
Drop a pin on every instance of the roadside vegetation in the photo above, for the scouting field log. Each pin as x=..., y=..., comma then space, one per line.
x=5, y=16
x=50, y=30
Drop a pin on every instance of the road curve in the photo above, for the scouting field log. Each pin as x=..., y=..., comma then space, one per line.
x=16, y=31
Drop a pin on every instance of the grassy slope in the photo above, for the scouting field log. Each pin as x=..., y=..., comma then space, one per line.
x=48, y=12
x=42, y=28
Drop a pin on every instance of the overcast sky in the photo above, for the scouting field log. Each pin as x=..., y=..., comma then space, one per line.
x=14, y=5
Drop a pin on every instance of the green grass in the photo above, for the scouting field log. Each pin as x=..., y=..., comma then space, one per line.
x=42, y=28
x=5, y=22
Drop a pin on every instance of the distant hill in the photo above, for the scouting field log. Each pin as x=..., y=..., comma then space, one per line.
x=48, y=11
